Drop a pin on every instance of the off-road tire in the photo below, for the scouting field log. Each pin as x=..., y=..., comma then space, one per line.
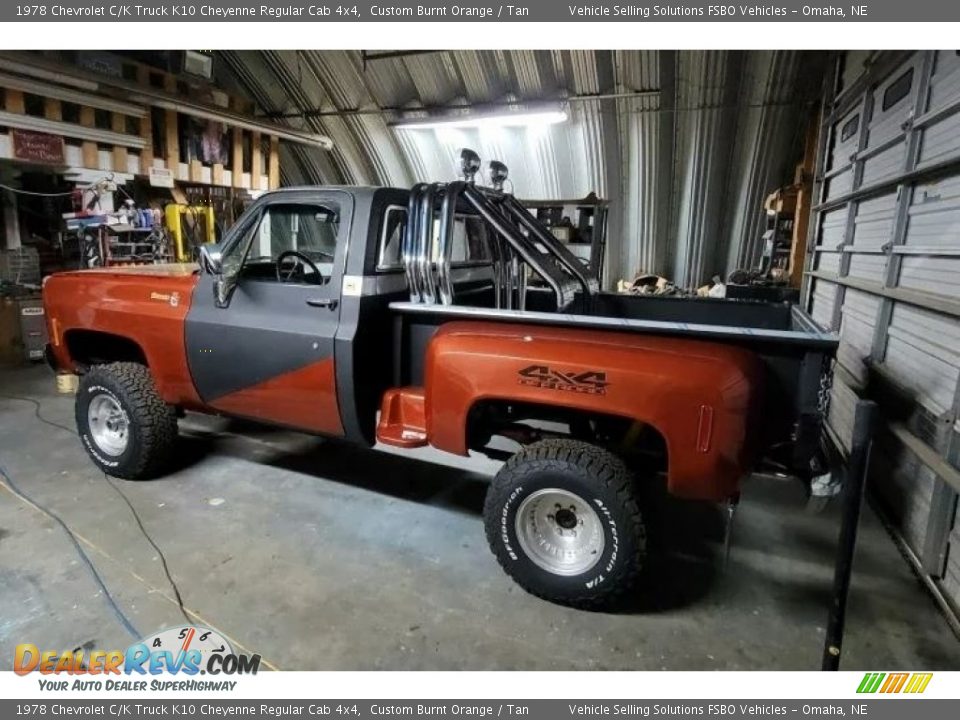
x=602, y=480
x=151, y=423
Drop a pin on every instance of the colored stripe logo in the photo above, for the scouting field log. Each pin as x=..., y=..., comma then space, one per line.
x=912, y=683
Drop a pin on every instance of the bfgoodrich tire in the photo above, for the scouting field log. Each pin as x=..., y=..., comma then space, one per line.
x=562, y=518
x=126, y=428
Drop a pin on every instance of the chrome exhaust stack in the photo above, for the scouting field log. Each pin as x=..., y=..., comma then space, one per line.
x=411, y=239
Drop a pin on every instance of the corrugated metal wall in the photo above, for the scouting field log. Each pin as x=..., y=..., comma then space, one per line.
x=886, y=274
x=685, y=144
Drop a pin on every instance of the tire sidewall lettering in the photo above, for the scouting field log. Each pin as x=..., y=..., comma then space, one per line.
x=505, y=522
x=611, y=523
x=599, y=574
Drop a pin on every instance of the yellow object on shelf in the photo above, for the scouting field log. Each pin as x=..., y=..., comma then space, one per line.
x=202, y=215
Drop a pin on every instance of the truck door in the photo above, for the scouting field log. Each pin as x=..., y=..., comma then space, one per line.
x=265, y=348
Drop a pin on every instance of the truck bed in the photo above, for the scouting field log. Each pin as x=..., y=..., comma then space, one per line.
x=793, y=349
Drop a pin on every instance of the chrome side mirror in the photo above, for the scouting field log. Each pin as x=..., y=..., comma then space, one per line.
x=222, y=290
x=211, y=259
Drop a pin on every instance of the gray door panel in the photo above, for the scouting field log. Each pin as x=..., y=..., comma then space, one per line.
x=269, y=329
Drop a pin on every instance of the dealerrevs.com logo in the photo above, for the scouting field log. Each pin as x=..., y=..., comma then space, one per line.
x=169, y=660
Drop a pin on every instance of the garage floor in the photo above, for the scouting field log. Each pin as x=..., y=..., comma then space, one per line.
x=322, y=556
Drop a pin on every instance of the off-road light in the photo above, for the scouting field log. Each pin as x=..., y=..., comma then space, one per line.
x=498, y=174
x=533, y=119
x=469, y=164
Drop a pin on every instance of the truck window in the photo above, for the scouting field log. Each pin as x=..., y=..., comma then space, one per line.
x=310, y=230
x=391, y=240
x=470, y=243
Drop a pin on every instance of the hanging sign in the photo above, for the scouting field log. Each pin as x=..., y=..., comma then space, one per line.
x=37, y=147
x=161, y=177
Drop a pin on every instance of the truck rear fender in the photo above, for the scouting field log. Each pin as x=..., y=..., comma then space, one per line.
x=699, y=396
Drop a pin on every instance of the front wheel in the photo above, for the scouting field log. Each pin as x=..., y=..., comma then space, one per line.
x=562, y=519
x=126, y=427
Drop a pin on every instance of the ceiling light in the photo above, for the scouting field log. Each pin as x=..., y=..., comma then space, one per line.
x=484, y=121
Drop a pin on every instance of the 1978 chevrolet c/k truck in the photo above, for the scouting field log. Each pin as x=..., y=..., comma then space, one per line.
x=458, y=317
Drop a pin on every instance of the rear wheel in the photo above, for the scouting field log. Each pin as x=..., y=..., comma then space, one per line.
x=124, y=424
x=562, y=518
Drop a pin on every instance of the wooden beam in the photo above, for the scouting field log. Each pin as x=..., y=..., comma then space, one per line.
x=118, y=123
x=171, y=143
x=89, y=151
x=236, y=157
x=14, y=102
x=801, y=215
x=216, y=174
x=146, y=132
x=256, y=161
x=52, y=109
x=926, y=454
x=938, y=303
x=196, y=171
x=273, y=164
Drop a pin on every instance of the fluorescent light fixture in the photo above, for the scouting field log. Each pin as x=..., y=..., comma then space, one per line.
x=70, y=130
x=551, y=117
x=62, y=78
x=36, y=87
x=204, y=113
x=137, y=94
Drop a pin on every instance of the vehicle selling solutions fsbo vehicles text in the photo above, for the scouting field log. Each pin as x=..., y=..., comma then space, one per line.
x=647, y=11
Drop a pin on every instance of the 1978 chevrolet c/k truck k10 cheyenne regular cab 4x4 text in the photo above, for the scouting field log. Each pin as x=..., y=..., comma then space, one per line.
x=458, y=317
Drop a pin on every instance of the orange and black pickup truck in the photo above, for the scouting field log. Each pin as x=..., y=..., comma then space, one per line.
x=447, y=316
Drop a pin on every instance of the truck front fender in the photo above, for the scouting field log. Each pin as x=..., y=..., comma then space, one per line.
x=113, y=310
x=700, y=396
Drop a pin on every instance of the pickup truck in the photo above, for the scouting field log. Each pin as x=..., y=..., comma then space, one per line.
x=447, y=316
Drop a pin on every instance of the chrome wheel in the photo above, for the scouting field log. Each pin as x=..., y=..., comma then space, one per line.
x=559, y=531
x=108, y=423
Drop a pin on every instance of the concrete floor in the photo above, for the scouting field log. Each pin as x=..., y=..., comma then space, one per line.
x=322, y=556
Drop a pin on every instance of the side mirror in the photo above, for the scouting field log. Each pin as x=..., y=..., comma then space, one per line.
x=211, y=259
x=222, y=290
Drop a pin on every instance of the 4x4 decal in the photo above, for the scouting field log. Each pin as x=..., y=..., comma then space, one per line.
x=592, y=382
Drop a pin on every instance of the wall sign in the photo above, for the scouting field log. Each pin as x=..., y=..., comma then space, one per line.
x=37, y=147
x=161, y=177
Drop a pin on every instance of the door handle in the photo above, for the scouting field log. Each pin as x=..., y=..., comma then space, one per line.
x=330, y=303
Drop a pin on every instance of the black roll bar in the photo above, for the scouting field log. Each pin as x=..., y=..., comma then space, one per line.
x=557, y=248
x=503, y=225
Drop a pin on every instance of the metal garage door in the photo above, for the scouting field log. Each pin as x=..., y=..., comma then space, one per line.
x=884, y=271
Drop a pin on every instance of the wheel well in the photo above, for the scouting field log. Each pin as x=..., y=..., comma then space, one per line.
x=93, y=347
x=624, y=435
